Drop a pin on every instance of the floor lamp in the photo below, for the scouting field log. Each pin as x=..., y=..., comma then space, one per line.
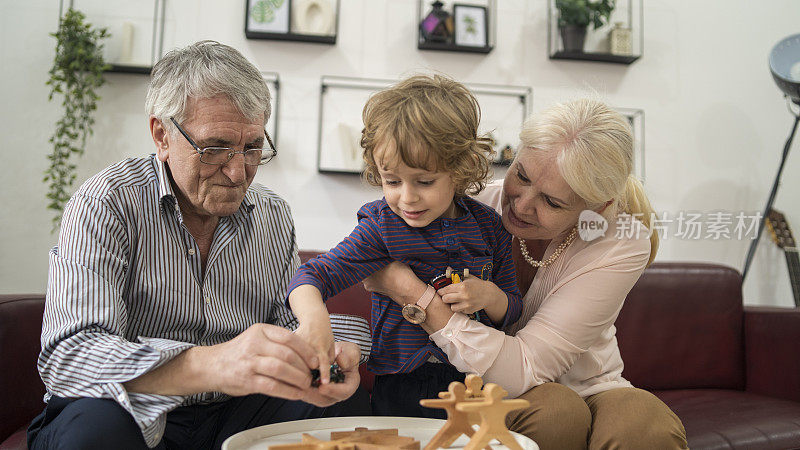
x=784, y=63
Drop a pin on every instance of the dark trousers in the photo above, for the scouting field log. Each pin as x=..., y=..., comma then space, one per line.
x=399, y=394
x=88, y=423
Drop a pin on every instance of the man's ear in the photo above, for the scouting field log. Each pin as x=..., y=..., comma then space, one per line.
x=160, y=137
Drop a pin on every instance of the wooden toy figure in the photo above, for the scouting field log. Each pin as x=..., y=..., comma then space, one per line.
x=493, y=410
x=458, y=422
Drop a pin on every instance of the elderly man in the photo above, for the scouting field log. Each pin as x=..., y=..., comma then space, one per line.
x=165, y=323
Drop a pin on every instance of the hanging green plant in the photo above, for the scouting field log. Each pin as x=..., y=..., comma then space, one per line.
x=77, y=73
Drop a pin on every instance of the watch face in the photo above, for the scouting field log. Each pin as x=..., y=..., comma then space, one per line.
x=414, y=313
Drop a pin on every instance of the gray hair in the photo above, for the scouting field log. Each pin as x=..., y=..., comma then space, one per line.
x=203, y=70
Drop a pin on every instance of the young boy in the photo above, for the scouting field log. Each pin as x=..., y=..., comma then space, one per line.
x=421, y=146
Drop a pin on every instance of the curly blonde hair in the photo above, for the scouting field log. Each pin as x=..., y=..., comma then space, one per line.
x=432, y=123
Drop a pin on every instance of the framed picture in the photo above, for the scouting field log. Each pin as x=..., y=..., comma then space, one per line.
x=470, y=25
x=267, y=16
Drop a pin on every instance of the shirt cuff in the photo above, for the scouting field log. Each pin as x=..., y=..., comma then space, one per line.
x=148, y=410
x=470, y=346
x=353, y=329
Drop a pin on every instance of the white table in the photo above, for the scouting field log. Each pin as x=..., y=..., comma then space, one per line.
x=260, y=438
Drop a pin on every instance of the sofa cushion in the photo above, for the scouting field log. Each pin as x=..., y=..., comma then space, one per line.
x=17, y=441
x=20, y=385
x=674, y=337
x=727, y=419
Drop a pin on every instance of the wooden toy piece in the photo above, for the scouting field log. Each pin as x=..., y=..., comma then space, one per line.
x=458, y=422
x=493, y=410
x=466, y=273
x=362, y=431
x=474, y=384
x=448, y=272
x=358, y=439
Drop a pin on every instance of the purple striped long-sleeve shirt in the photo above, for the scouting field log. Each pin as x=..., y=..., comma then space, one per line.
x=126, y=290
x=476, y=240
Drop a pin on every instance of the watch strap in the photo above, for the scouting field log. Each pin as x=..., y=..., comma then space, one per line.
x=426, y=297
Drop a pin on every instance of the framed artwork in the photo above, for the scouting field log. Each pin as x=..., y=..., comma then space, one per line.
x=470, y=25
x=342, y=99
x=636, y=119
x=273, y=81
x=268, y=16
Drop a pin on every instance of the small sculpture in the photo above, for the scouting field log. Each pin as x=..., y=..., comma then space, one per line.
x=467, y=405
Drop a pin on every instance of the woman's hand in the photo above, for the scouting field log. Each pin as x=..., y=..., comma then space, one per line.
x=474, y=294
x=396, y=281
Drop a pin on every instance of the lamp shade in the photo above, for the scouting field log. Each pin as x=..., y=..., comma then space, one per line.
x=784, y=63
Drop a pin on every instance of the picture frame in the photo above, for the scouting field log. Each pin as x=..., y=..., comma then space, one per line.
x=267, y=17
x=471, y=24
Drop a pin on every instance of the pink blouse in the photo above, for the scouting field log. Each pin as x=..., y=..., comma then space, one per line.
x=566, y=333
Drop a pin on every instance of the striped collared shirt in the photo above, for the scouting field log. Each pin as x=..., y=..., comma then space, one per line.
x=476, y=240
x=126, y=290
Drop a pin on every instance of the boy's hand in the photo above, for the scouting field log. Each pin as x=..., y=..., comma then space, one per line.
x=347, y=356
x=474, y=294
x=319, y=336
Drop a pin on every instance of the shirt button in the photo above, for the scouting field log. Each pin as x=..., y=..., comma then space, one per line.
x=208, y=300
x=191, y=251
x=450, y=241
x=447, y=333
x=446, y=223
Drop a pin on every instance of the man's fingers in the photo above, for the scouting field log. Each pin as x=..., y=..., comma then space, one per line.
x=275, y=388
x=282, y=371
x=347, y=355
x=286, y=337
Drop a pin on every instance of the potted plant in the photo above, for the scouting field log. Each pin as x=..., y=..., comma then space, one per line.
x=574, y=16
x=76, y=74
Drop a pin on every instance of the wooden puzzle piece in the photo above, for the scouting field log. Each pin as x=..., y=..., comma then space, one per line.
x=493, y=410
x=458, y=422
x=358, y=439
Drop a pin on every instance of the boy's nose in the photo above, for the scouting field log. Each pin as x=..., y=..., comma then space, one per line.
x=409, y=195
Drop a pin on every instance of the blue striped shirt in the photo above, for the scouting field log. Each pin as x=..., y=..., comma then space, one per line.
x=127, y=293
x=476, y=240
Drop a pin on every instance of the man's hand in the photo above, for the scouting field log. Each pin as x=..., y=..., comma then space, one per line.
x=474, y=294
x=264, y=359
x=347, y=356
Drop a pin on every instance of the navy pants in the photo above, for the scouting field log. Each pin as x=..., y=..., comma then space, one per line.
x=88, y=423
x=399, y=394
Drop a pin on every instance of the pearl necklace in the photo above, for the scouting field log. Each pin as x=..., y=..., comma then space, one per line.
x=559, y=250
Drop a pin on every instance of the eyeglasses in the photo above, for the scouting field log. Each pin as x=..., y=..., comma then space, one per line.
x=221, y=155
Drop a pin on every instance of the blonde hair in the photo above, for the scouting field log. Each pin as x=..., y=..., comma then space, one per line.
x=593, y=147
x=433, y=123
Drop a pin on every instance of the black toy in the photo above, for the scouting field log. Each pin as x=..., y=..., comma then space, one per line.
x=337, y=376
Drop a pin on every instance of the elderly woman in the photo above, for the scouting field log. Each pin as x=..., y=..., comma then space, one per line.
x=562, y=354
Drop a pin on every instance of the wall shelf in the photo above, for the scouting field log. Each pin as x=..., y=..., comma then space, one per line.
x=593, y=56
x=136, y=31
x=452, y=35
x=342, y=99
x=627, y=19
x=313, y=21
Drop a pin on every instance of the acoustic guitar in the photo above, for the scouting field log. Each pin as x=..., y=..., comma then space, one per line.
x=782, y=236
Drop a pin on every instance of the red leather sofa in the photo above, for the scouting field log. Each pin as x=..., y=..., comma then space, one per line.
x=732, y=374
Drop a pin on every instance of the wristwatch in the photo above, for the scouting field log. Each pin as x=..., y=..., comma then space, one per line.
x=415, y=312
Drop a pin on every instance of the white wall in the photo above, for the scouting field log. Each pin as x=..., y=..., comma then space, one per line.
x=715, y=122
